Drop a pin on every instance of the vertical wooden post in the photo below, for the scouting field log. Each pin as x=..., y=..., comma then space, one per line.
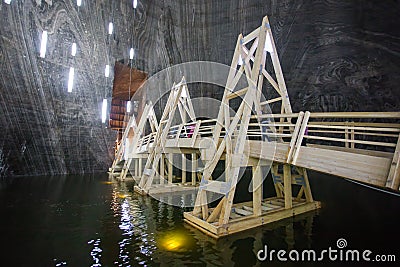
x=162, y=169
x=257, y=190
x=183, y=169
x=352, y=135
x=170, y=167
x=393, y=180
x=194, y=168
x=346, y=135
x=136, y=168
x=287, y=183
x=140, y=166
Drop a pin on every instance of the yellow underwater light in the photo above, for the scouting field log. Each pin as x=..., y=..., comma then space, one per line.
x=177, y=241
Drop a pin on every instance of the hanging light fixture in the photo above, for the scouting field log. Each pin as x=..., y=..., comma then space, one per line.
x=110, y=28
x=7, y=1
x=73, y=49
x=107, y=71
x=131, y=53
x=43, y=44
x=78, y=2
x=268, y=44
x=104, y=111
x=134, y=3
x=71, y=79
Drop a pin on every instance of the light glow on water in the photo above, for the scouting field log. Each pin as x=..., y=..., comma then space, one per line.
x=177, y=240
x=123, y=196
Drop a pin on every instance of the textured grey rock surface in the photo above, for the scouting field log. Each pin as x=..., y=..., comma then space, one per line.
x=336, y=56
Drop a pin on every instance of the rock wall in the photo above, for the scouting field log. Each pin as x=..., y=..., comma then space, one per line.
x=336, y=56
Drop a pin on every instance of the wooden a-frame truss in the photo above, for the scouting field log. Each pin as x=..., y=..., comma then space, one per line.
x=131, y=127
x=178, y=97
x=133, y=135
x=250, y=54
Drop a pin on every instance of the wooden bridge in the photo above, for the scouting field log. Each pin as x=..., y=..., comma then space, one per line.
x=362, y=146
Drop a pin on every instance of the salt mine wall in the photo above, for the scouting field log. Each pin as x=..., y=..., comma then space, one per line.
x=335, y=55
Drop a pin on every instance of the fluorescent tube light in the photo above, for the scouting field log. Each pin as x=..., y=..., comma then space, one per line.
x=43, y=45
x=71, y=79
x=73, y=49
x=104, y=110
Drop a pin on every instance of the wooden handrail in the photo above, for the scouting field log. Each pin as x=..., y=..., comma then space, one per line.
x=372, y=115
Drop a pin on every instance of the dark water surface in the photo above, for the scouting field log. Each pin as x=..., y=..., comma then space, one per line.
x=86, y=221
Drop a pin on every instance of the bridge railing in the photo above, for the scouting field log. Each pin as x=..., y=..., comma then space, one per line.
x=189, y=130
x=201, y=128
x=144, y=142
x=274, y=127
x=377, y=131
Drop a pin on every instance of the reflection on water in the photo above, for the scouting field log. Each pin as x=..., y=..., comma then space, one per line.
x=96, y=252
x=90, y=221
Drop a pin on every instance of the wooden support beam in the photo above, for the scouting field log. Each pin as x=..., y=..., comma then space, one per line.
x=272, y=82
x=204, y=204
x=137, y=167
x=294, y=138
x=140, y=166
x=300, y=194
x=194, y=168
x=214, y=214
x=278, y=73
x=257, y=190
x=307, y=188
x=251, y=36
x=170, y=167
x=183, y=169
x=274, y=171
x=162, y=169
x=270, y=101
x=287, y=184
x=237, y=93
x=125, y=169
x=301, y=134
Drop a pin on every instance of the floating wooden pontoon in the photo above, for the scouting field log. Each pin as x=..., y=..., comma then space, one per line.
x=362, y=146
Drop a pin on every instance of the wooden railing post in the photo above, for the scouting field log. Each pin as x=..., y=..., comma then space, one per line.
x=346, y=134
x=393, y=180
